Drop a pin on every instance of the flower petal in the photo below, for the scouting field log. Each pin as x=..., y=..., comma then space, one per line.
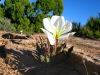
x=50, y=36
x=66, y=35
x=53, y=19
x=60, y=22
x=47, y=24
x=67, y=26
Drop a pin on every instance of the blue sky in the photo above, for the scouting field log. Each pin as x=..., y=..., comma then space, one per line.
x=79, y=10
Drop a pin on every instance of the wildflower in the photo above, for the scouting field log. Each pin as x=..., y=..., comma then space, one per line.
x=57, y=28
x=21, y=32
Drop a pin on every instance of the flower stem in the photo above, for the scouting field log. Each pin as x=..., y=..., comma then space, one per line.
x=55, y=49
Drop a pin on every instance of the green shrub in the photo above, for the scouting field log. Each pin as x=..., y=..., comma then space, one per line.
x=90, y=33
x=6, y=25
x=97, y=34
x=92, y=28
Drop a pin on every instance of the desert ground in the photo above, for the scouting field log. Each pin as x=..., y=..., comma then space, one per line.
x=20, y=50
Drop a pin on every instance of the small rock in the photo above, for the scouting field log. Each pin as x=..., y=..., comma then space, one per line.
x=16, y=71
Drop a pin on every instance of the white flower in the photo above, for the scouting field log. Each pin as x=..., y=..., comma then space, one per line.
x=56, y=28
x=21, y=31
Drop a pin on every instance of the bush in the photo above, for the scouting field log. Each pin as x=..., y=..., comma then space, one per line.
x=92, y=28
x=6, y=25
x=97, y=34
x=90, y=33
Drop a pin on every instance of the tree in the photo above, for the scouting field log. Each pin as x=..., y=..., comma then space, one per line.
x=1, y=11
x=49, y=7
x=77, y=28
x=46, y=8
x=58, y=7
x=19, y=12
x=38, y=22
x=92, y=27
x=27, y=16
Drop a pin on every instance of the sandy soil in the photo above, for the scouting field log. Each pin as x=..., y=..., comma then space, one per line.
x=20, y=59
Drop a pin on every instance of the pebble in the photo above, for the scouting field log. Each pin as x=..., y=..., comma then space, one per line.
x=16, y=71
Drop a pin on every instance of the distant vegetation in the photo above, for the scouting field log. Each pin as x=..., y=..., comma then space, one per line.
x=28, y=16
x=91, y=29
x=16, y=15
x=6, y=25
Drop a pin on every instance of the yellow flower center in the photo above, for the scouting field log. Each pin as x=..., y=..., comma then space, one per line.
x=57, y=33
